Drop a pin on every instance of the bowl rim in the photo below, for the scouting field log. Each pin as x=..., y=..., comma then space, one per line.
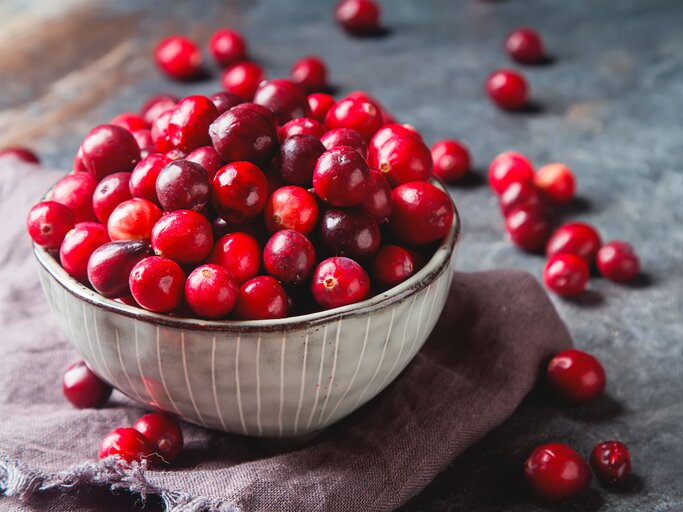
x=421, y=279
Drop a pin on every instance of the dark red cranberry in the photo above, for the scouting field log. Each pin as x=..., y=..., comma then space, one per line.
x=227, y=47
x=289, y=257
x=402, y=160
x=208, y=158
x=378, y=203
x=78, y=246
x=109, y=193
x=345, y=137
x=211, y=291
x=188, y=127
x=163, y=432
x=528, y=227
x=159, y=131
x=525, y=45
x=285, y=98
x=23, y=154
x=310, y=73
x=127, y=444
x=355, y=114
x=576, y=238
x=240, y=191
x=259, y=109
x=358, y=17
x=154, y=106
x=341, y=177
x=183, y=185
x=301, y=126
x=108, y=149
x=130, y=121
x=611, y=462
x=224, y=101
x=320, y=103
x=243, y=79
x=48, y=222
x=179, y=57
x=390, y=131
x=241, y=134
x=157, y=284
x=76, y=191
x=422, y=213
x=111, y=263
x=519, y=193
x=298, y=156
x=566, y=275
x=83, y=388
x=261, y=298
x=184, y=236
x=451, y=160
x=351, y=233
x=133, y=220
x=339, y=281
x=556, y=472
x=508, y=89
x=239, y=253
x=618, y=261
x=575, y=376
x=144, y=177
x=392, y=265
x=507, y=168
x=145, y=141
x=557, y=183
x=291, y=207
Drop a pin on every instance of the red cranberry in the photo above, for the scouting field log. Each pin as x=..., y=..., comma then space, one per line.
x=111, y=263
x=618, y=261
x=392, y=265
x=341, y=177
x=320, y=103
x=224, y=101
x=259, y=109
x=108, y=149
x=285, y=98
x=76, y=191
x=345, y=137
x=175, y=154
x=240, y=191
x=130, y=121
x=351, y=233
x=154, y=106
x=157, y=284
x=188, y=126
x=184, y=236
x=507, y=168
x=144, y=141
x=127, y=444
x=179, y=57
x=48, y=222
x=391, y=131
x=144, y=177
x=403, y=159
x=576, y=238
x=451, y=160
x=159, y=131
x=208, y=158
x=528, y=227
x=261, y=298
x=133, y=220
x=525, y=45
x=556, y=472
x=301, y=126
x=508, y=89
x=566, y=274
x=289, y=257
x=109, y=193
x=23, y=154
x=239, y=253
x=557, y=183
x=78, y=164
x=575, y=376
x=241, y=134
x=422, y=213
x=358, y=17
x=378, y=203
x=298, y=156
x=243, y=79
x=364, y=96
x=78, y=246
x=83, y=388
x=183, y=185
x=227, y=47
x=291, y=208
x=310, y=73
x=163, y=432
x=611, y=462
x=211, y=291
x=519, y=193
x=339, y=281
x=355, y=114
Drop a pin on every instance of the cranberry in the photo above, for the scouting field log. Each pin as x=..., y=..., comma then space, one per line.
x=320, y=103
x=227, y=47
x=358, y=17
x=83, y=388
x=301, y=126
x=575, y=376
x=259, y=109
x=157, y=284
x=507, y=168
x=109, y=193
x=163, y=432
x=403, y=159
x=159, y=131
x=144, y=141
x=391, y=131
x=78, y=164
x=392, y=265
x=355, y=114
x=557, y=183
x=556, y=472
x=243, y=79
x=291, y=207
x=208, y=158
x=525, y=45
x=188, y=126
x=184, y=236
x=241, y=134
x=154, y=106
x=289, y=257
x=108, y=149
x=341, y=177
x=611, y=462
x=261, y=298
x=23, y=154
x=133, y=220
x=345, y=137
x=76, y=191
x=451, y=160
x=339, y=281
x=239, y=253
x=240, y=191
x=127, y=444
x=285, y=98
x=378, y=203
x=422, y=213
x=179, y=57
x=310, y=73
x=224, y=101
x=183, y=185
x=566, y=274
x=519, y=193
x=78, y=246
x=528, y=227
x=298, y=156
x=351, y=233
x=144, y=177
x=110, y=265
x=508, y=89
x=618, y=261
x=576, y=238
x=211, y=291
x=130, y=121
x=48, y=222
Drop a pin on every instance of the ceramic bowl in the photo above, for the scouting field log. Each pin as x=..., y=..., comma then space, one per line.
x=274, y=378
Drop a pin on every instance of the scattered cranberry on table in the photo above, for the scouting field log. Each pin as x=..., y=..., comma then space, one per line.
x=555, y=472
x=507, y=168
x=23, y=154
x=557, y=183
x=179, y=58
x=528, y=227
x=242, y=79
x=358, y=17
x=163, y=432
x=211, y=291
x=83, y=388
x=310, y=73
x=576, y=238
x=566, y=274
x=451, y=160
x=525, y=46
x=618, y=261
x=576, y=376
x=508, y=89
x=227, y=47
x=611, y=462
x=519, y=193
x=127, y=444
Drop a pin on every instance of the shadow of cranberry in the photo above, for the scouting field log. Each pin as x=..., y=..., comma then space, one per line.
x=578, y=205
x=601, y=410
x=473, y=179
x=587, y=299
x=634, y=484
x=644, y=280
x=532, y=107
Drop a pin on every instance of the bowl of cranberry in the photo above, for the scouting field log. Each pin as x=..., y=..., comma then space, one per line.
x=263, y=291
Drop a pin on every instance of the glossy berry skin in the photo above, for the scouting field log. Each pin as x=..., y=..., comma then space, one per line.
x=508, y=89
x=358, y=17
x=78, y=246
x=390, y=131
x=83, y=388
x=159, y=131
x=76, y=191
x=240, y=192
x=286, y=99
x=576, y=238
x=555, y=472
x=291, y=208
x=224, y=101
x=618, y=261
x=179, y=58
x=108, y=149
x=378, y=202
x=402, y=160
x=345, y=137
x=208, y=158
x=48, y=222
x=301, y=126
x=239, y=253
x=451, y=160
x=320, y=103
x=127, y=444
x=525, y=46
x=310, y=73
x=507, y=168
x=242, y=79
x=163, y=432
x=145, y=142
x=611, y=463
x=242, y=134
x=156, y=105
x=566, y=275
x=78, y=164
x=575, y=376
x=528, y=227
x=110, y=265
x=519, y=193
x=211, y=291
x=23, y=154
x=143, y=179
x=391, y=265
x=355, y=114
x=259, y=109
x=556, y=182
x=422, y=213
x=183, y=185
x=227, y=47
x=341, y=177
x=289, y=257
x=297, y=159
x=133, y=220
x=351, y=233
x=184, y=236
x=189, y=123
x=130, y=121
x=261, y=298
x=109, y=193
x=157, y=284
x=339, y=281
